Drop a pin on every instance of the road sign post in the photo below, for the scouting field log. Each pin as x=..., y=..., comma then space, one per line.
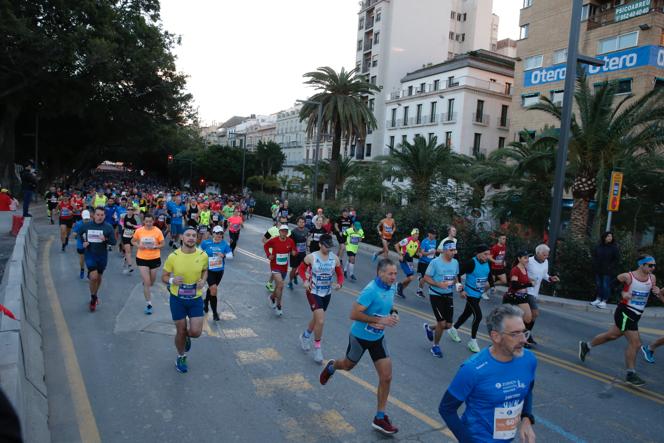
x=615, y=191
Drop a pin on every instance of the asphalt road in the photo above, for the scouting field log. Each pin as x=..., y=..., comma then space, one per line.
x=111, y=375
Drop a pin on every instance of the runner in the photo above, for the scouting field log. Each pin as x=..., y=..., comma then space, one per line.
x=217, y=251
x=205, y=219
x=111, y=217
x=372, y=312
x=252, y=205
x=476, y=271
x=274, y=211
x=648, y=351
x=66, y=220
x=85, y=217
x=131, y=224
x=176, y=210
x=340, y=227
x=308, y=219
x=284, y=211
x=320, y=266
x=235, y=224
x=496, y=385
x=273, y=232
x=277, y=250
x=316, y=234
x=354, y=235
x=51, y=198
x=96, y=235
x=386, y=230
x=538, y=270
x=148, y=240
x=497, y=265
x=100, y=199
x=77, y=205
x=442, y=274
x=451, y=235
x=517, y=293
x=407, y=249
x=300, y=235
x=637, y=286
x=228, y=210
x=428, y=253
x=185, y=271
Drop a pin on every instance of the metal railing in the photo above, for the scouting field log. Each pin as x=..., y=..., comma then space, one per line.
x=448, y=117
x=481, y=119
x=503, y=123
x=368, y=45
x=604, y=16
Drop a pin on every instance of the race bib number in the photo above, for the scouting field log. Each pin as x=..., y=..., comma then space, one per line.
x=344, y=229
x=95, y=235
x=202, y=228
x=639, y=298
x=500, y=259
x=355, y=240
x=215, y=262
x=506, y=421
x=65, y=212
x=410, y=265
x=128, y=233
x=480, y=283
x=282, y=259
x=387, y=229
x=316, y=237
x=373, y=330
x=323, y=283
x=451, y=277
x=148, y=242
x=235, y=227
x=187, y=291
x=301, y=247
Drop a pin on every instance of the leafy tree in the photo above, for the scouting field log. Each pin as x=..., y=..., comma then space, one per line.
x=347, y=168
x=345, y=111
x=270, y=157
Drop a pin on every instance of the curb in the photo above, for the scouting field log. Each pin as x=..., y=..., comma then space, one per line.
x=22, y=375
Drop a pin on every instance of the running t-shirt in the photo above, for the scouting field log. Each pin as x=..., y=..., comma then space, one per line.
x=66, y=210
x=111, y=215
x=440, y=270
x=281, y=251
x=300, y=236
x=522, y=280
x=77, y=204
x=212, y=249
x=99, y=201
x=387, y=228
x=494, y=393
x=228, y=211
x=427, y=246
x=322, y=272
x=639, y=291
x=315, y=239
x=205, y=218
x=77, y=230
x=378, y=298
x=93, y=233
x=235, y=223
x=151, y=238
x=344, y=224
x=498, y=253
x=130, y=226
x=477, y=277
x=176, y=211
x=353, y=239
x=409, y=247
x=188, y=266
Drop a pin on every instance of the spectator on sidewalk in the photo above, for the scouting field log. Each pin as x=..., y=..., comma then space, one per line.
x=605, y=262
x=5, y=200
x=28, y=186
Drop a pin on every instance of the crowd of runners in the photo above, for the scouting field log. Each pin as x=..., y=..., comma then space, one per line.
x=203, y=231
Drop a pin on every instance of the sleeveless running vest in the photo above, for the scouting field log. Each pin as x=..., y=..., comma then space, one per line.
x=322, y=272
x=477, y=280
x=640, y=291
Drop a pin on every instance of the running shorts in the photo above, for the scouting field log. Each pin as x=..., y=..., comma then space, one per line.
x=422, y=267
x=407, y=267
x=513, y=299
x=68, y=222
x=318, y=302
x=297, y=259
x=498, y=272
x=625, y=319
x=351, y=253
x=177, y=229
x=186, y=307
x=96, y=262
x=152, y=264
x=443, y=307
x=80, y=250
x=356, y=347
x=126, y=241
x=532, y=302
x=283, y=273
x=214, y=277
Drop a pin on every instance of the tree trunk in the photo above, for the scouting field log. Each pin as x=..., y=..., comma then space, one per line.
x=8, y=115
x=334, y=164
x=579, y=218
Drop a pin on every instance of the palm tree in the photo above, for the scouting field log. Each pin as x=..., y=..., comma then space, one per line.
x=347, y=168
x=603, y=132
x=345, y=111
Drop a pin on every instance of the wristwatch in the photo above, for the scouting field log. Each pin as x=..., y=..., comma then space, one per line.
x=530, y=417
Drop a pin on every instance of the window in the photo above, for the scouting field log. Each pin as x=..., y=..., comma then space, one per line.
x=451, y=35
x=503, y=115
x=378, y=14
x=361, y=25
x=432, y=113
x=423, y=87
x=624, y=86
x=430, y=136
x=451, y=82
x=508, y=88
x=618, y=42
x=452, y=15
x=371, y=104
x=448, y=139
x=374, y=61
x=659, y=83
x=373, y=80
x=391, y=145
x=458, y=37
x=529, y=99
x=586, y=11
x=458, y=16
x=464, y=16
x=367, y=151
x=527, y=3
x=418, y=114
x=416, y=136
x=359, y=45
x=501, y=142
x=450, y=109
x=463, y=37
x=559, y=56
x=557, y=97
x=404, y=139
x=376, y=38
x=523, y=31
x=405, y=115
x=410, y=90
x=533, y=62
x=477, y=141
x=479, y=111
x=436, y=85
x=393, y=121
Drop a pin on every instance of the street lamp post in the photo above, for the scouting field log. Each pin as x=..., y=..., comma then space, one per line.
x=319, y=122
x=244, y=155
x=573, y=57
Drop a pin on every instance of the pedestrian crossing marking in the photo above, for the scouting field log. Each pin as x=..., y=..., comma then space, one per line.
x=266, y=387
x=208, y=330
x=227, y=315
x=334, y=423
x=260, y=355
x=239, y=333
x=293, y=431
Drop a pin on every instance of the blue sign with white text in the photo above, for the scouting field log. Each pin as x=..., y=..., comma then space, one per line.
x=615, y=61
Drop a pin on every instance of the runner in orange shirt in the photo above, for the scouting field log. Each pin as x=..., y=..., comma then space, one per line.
x=148, y=240
x=386, y=229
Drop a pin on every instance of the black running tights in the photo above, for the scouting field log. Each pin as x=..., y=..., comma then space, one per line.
x=472, y=308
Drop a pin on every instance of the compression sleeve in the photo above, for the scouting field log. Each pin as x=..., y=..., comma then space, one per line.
x=448, y=411
x=302, y=270
x=340, y=275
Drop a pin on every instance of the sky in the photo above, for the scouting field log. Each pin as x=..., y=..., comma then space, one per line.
x=248, y=57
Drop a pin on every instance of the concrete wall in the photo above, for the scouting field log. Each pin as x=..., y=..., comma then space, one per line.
x=21, y=354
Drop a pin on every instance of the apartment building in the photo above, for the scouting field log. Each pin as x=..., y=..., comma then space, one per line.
x=627, y=35
x=399, y=36
x=464, y=102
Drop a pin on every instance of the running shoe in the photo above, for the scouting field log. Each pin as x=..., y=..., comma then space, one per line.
x=326, y=373
x=484, y=296
x=633, y=379
x=454, y=335
x=436, y=352
x=269, y=286
x=290, y=285
x=383, y=425
x=215, y=316
x=279, y=312
x=181, y=364
x=420, y=293
x=295, y=280
x=93, y=304
x=648, y=355
x=473, y=346
x=428, y=331
x=148, y=310
x=125, y=271
x=318, y=355
x=187, y=344
x=82, y=274
x=583, y=350
x=305, y=343
x=273, y=302
x=596, y=302
x=400, y=290
x=601, y=305
x=353, y=278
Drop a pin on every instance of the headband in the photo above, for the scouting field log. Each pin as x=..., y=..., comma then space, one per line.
x=448, y=246
x=645, y=260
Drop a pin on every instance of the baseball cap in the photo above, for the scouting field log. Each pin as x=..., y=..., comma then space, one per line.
x=217, y=229
x=282, y=227
x=414, y=231
x=85, y=214
x=326, y=240
x=4, y=190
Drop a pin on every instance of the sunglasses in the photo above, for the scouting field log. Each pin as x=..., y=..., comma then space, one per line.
x=651, y=265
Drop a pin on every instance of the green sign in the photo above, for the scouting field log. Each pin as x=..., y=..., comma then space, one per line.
x=630, y=10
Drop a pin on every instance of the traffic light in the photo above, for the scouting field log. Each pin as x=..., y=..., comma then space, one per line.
x=170, y=158
x=202, y=181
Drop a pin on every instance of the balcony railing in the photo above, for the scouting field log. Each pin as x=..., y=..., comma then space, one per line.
x=604, y=16
x=481, y=119
x=369, y=23
x=448, y=118
x=473, y=82
x=368, y=45
x=368, y=3
x=503, y=123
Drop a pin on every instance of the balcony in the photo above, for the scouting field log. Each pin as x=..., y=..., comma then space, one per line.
x=448, y=118
x=481, y=119
x=369, y=23
x=368, y=3
x=504, y=123
x=606, y=15
x=471, y=82
x=366, y=66
x=367, y=45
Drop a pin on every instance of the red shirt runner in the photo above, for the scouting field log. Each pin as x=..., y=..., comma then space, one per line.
x=66, y=210
x=234, y=223
x=280, y=250
x=498, y=253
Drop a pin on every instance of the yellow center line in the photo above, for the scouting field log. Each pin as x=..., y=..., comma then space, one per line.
x=87, y=425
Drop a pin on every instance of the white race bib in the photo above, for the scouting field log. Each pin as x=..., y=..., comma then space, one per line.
x=506, y=421
x=215, y=262
x=148, y=242
x=282, y=259
x=95, y=235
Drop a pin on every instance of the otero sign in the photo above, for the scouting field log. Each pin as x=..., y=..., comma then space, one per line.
x=615, y=61
x=631, y=10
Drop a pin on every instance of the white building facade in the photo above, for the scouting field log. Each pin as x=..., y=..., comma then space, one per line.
x=464, y=102
x=399, y=36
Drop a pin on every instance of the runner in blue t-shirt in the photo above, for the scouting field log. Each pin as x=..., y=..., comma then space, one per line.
x=372, y=312
x=218, y=250
x=428, y=250
x=176, y=210
x=496, y=385
x=441, y=275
